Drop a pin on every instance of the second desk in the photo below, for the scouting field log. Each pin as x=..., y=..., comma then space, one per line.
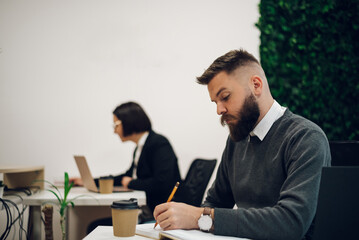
x=88, y=207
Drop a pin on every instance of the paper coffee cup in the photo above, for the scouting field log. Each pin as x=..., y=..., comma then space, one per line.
x=106, y=184
x=124, y=217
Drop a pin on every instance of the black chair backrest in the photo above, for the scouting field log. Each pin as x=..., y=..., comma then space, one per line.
x=344, y=153
x=191, y=190
x=338, y=208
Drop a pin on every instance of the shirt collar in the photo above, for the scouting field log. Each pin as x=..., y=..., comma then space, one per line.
x=142, y=140
x=262, y=128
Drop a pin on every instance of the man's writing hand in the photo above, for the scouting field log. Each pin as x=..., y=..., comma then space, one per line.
x=173, y=215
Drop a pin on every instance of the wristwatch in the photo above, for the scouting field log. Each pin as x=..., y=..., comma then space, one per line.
x=205, y=221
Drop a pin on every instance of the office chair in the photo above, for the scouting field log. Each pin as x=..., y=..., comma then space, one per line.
x=344, y=153
x=192, y=189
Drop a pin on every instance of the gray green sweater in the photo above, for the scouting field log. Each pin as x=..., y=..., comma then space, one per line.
x=274, y=183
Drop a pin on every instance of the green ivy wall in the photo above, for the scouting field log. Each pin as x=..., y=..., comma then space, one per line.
x=310, y=53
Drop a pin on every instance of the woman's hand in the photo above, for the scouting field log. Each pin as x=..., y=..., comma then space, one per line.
x=77, y=181
x=125, y=181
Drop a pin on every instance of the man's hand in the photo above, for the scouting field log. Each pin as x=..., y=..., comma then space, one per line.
x=125, y=181
x=173, y=215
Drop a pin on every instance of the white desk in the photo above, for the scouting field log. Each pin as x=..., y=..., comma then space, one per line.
x=106, y=233
x=85, y=199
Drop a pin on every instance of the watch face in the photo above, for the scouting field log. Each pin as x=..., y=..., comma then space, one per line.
x=205, y=222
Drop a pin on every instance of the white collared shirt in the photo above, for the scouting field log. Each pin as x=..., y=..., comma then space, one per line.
x=262, y=128
x=140, y=144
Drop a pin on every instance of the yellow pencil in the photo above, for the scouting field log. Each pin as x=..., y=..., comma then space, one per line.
x=170, y=197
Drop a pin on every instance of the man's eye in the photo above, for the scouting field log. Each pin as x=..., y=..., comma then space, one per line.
x=226, y=97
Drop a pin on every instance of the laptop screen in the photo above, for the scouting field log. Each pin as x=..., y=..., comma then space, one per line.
x=85, y=173
x=88, y=180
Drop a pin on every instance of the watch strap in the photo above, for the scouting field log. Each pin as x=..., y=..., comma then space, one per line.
x=207, y=211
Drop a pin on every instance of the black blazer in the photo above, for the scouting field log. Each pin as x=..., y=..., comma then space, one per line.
x=157, y=170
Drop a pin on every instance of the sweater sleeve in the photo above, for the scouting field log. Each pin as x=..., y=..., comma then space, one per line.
x=305, y=155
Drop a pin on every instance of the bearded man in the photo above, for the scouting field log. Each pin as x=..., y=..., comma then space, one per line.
x=267, y=183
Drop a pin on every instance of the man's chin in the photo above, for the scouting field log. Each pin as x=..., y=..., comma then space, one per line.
x=236, y=136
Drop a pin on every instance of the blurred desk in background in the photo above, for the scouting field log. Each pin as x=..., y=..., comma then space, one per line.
x=89, y=206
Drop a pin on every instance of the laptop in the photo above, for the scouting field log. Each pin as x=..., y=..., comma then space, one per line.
x=338, y=204
x=87, y=179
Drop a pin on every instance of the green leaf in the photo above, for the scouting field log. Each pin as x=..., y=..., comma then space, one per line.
x=58, y=198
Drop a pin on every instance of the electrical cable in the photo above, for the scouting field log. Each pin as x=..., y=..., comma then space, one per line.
x=25, y=190
x=19, y=217
x=9, y=218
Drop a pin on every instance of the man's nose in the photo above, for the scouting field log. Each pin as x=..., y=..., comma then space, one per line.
x=221, y=109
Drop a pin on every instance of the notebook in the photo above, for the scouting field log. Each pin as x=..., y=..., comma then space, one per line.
x=147, y=230
x=87, y=179
x=338, y=204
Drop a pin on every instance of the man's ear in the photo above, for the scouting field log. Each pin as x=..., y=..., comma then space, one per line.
x=257, y=85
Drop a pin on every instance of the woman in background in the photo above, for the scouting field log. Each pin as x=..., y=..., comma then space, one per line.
x=154, y=168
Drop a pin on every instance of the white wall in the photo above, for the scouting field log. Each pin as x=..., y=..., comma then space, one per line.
x=65, y=65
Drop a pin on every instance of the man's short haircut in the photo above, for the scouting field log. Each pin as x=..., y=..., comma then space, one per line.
x=228, y=63
x=133, y=118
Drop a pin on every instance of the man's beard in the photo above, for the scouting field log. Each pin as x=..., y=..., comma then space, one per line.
x=246, y=119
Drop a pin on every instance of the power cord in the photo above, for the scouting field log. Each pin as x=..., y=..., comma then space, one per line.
x=25, y=190
x=8, y=220
x=9, y=217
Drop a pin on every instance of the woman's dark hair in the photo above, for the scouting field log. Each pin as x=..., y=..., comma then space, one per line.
x=133, y=118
